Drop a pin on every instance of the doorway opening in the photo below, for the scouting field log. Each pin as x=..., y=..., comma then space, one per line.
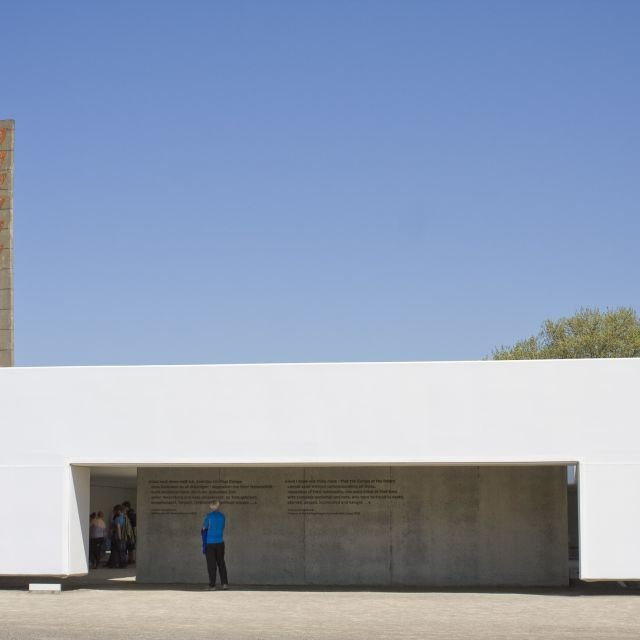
x=113, y=524
x=573, y=522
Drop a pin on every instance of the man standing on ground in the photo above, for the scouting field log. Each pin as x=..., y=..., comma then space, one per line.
x=97, y=530
x=118, y=541
x=130, y=513
x=214, y=526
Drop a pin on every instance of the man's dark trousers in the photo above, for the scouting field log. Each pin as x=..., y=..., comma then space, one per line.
x=118, y=554
x=215, y=558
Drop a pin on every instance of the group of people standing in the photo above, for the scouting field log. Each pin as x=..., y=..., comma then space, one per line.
x=120, y=534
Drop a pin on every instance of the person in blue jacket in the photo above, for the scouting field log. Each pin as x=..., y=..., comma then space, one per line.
x=213, y=537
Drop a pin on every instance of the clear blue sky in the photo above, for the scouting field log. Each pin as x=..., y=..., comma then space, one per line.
x=317, y=181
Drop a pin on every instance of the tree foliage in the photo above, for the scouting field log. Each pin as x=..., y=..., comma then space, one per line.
x=590, y=333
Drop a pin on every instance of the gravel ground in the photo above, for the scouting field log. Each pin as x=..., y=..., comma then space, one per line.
x=123, y=609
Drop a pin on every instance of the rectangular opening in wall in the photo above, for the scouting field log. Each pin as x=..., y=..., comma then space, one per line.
x=112, y=523
x=573, y=522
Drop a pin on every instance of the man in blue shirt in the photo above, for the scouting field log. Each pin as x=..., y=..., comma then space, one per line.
x=118, y=557
x=214, y=526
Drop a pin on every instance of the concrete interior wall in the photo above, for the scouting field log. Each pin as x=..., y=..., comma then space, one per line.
x=109, y=489
x=428, y=526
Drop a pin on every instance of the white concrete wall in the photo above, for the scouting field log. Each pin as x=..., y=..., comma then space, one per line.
x=393, y=413
x=609, y=499
x=36, y=541
x=78, y=505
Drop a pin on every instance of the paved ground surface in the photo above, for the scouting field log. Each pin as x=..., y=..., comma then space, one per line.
x=110, y=609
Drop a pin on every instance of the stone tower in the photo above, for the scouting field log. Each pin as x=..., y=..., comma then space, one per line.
x=7, y=128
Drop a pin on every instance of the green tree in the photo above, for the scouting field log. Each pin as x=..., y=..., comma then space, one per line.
x=590, y=333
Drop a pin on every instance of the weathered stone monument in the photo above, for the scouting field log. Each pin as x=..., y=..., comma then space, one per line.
x=7, y=128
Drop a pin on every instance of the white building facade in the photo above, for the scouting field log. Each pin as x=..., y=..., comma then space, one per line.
x=59, y=424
